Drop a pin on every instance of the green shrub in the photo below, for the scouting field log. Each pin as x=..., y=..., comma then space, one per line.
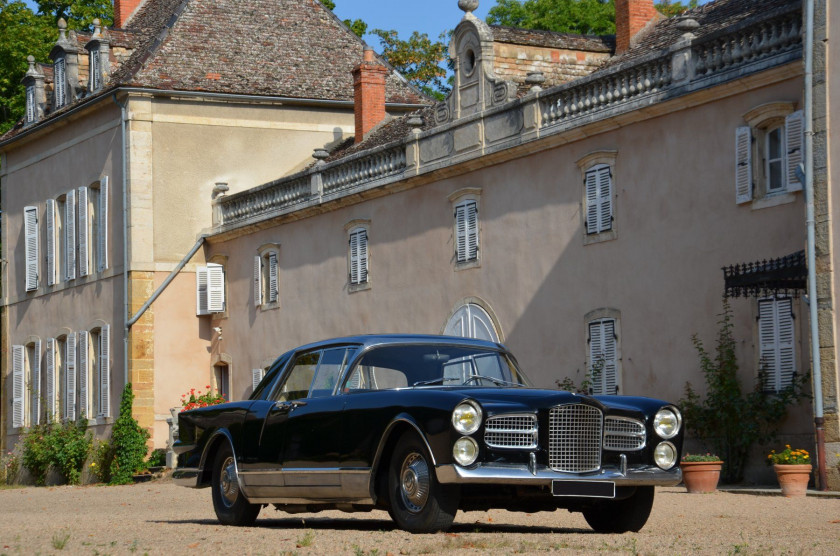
x=9, y=466
x=70, y=445
x=36, y=452
x=157, y=458
x=103, y=456
x=128, y=442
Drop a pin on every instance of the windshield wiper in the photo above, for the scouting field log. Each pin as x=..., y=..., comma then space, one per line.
x=494, y=380
x=428, y=382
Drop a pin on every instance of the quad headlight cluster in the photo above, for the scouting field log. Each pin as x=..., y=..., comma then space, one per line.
x=666, y=423
x=466, y=419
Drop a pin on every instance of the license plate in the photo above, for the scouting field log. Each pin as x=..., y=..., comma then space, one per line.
x=590, y=489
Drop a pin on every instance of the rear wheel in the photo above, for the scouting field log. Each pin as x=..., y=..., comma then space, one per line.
x=419, y=504
x=232, y=508
x=621, y=516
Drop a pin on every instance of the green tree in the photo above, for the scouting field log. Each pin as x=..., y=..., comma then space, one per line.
x=670, y=9
x=418, y=59
x=25, y=33
x=128, y=443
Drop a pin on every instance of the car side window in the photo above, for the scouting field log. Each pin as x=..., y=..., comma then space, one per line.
x=365, y=377
x=300, y=377
x=332, y=364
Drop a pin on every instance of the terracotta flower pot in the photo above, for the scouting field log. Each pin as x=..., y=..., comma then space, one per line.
x=793, y=479
x=701, y=476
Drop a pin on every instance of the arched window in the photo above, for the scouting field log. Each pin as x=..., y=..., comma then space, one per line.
x=471, y=321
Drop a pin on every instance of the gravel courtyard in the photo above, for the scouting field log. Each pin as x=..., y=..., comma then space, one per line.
x=161, y=518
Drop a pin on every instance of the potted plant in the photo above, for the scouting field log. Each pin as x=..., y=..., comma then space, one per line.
x=701, y=472
x=793, y=470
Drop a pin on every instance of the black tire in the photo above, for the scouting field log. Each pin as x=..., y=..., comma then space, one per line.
x=232, y=508
x=621, y=516
x=419, y=504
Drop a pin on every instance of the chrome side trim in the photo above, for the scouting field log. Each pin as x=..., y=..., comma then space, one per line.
x=508, y=474
x=281, y=500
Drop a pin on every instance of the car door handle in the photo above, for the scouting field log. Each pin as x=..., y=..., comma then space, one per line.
x=289, y=406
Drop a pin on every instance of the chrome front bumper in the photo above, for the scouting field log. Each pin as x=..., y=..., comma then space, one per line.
x=186, y=477
x=508, y=474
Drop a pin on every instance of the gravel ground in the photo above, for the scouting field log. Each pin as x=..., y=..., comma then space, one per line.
x=161, y=518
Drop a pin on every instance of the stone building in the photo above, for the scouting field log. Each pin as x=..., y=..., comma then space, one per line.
x=574, y=217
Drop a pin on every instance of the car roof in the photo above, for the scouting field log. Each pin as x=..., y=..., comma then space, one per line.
x=376, y=340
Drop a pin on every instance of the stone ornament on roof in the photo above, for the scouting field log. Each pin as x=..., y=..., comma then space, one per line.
x=468, y=6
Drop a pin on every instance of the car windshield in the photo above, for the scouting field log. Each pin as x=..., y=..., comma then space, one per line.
x=430, y=365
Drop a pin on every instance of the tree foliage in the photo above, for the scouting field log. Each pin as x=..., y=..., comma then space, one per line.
x=417, y=58
x=25, y=32
x=128, y=443
x=670, y=9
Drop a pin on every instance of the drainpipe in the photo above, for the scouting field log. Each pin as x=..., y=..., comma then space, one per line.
x=819, y=417
x=127, y=307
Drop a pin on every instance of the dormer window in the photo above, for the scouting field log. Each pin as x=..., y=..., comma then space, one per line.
x=95, y=71
x=60, y=72
x=30, y=104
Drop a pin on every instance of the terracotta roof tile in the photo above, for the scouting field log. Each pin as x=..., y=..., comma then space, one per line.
x=551, y=39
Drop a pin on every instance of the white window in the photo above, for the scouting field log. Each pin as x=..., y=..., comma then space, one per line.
x=95, y=70
x=471, y=321
x=776, y=336
x=69, y=379
x=776, y=141
x=60, y=77
x=358, y=256
x=68, y=236
x=257, y=376
x=51, y=380
x=30, y=226
x=84, y=231
x=101, y=223
x=33, y=372
x=210, y=289
x=221, y=376
x=30, y=104
x=603, y=356
x=266, y=279
x=52, y=244
x=466, y=231
x=18, y=387
x=101, y=343
x=84, y=373
x=599, y=209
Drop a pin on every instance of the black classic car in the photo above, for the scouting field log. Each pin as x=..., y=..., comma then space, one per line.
x=423, y=426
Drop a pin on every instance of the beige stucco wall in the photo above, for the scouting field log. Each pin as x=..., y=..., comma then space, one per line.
x=677, y=224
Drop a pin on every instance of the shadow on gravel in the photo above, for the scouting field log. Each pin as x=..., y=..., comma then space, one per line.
x=356, y=524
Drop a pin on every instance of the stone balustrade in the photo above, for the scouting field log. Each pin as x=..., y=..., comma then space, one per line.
x=380, y=164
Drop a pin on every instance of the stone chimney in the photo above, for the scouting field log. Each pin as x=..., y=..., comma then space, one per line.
x=123, y=10
x=369, y=94
x=631, y=17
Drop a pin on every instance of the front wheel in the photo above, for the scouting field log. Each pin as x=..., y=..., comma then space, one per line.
x=232, y=508
x=419, y=504
x=621, y=516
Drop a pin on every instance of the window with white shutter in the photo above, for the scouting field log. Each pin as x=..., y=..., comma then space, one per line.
x=30, y=104
x=84, y=232
x=258, y=281
x=794, y=144
x=603, y=356
x=743, y=165
x=95, y=69
x=466, y=231
x=103, y=369
x=599, y=209
x=777, y=348
x=51, y=382
x=18, y=387
x=60, y=80
x=70, y=377
x=267, y=277
x=358, y=256
x=51, y=242
x=33, y=356
x=30, y=231
x=210, y=289
x=69, y=235
x=83, y=348
x=273, y=280
x=102, y=225
x=257, y=376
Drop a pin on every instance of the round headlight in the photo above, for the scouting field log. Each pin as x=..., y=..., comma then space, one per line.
x=667, y=422
x=466, y=418
x=465, y=451
x=665, y=455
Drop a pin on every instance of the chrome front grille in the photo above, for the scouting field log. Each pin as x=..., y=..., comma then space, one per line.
x=574, y=438
x=623, y=434
x=511, y=431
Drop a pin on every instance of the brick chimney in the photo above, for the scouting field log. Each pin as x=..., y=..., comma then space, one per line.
x=123, y=10
x=631, y=16
x=369, y=94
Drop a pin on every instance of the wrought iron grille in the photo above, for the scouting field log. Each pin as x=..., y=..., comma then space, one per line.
x=785, y=276
x=623, y=434
x=574, y=438
x=511, y=431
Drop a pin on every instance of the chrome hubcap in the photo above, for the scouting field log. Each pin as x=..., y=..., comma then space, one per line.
x=228, y=484
x=414, y=482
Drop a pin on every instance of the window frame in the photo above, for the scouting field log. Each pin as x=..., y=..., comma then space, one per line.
x=775, y=381
x=591, y=165
x=266, y=269
x=601, y=317
x=60, y=87
x=460, y=201
x=360, y=231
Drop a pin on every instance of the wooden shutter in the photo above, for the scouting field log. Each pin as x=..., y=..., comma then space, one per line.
x=51, y=278
x=602, y=352
x=30, y=225
x=461, y=233
x=258, y=292
x=35, y=365
x=70, y=235
x=358, y=256
x=256, y=377
x=201, y=291
x=354, y=258
x=605, y=211
x=466, y=231
x=591, y=184
x=743, y=165
x=70, y=377
x=794, y=135
x=776, y=343
x=215, y=288
x=84, y=232
x=51, y=393
x=84, y=372
x=104, y=361
x=273, y=285
x=102, y=225
x=363, y=256
x=18, y=387
x=596, y=350
x=60, y=79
